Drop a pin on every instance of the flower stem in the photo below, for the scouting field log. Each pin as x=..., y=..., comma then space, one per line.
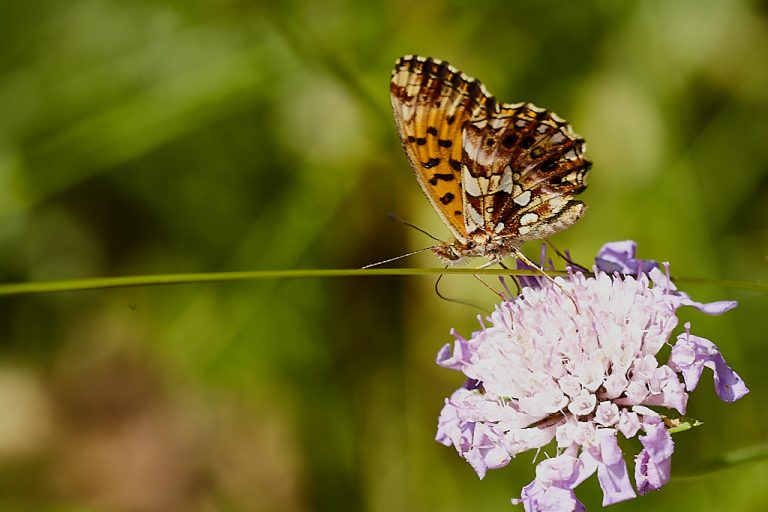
x=211, y=277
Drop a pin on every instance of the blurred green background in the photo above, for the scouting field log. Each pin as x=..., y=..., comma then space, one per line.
x=142, y=137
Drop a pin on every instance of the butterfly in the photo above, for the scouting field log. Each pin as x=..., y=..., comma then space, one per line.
x=498, y=174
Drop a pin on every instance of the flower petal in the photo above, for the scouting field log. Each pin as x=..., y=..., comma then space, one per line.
x=629, y=424
x=612, y=470
x=524, y=439
x=692, y=353
x=537, y=497
x=561, y=470
x=653, y=465
x=457, y=357
x=607, y=414
x=620, y=257
x=451, y=430
x=486, y=451
x=663, y=280
x=713, y=308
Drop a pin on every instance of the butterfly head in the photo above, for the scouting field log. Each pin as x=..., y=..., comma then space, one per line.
x=491, y=248
x=450, y=253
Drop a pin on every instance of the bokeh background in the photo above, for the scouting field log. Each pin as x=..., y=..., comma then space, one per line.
x=141, y=137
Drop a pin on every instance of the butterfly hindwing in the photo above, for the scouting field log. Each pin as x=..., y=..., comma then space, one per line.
x=521, y=169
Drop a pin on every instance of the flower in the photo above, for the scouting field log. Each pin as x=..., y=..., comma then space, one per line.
x=575, y=362
x=620, y=257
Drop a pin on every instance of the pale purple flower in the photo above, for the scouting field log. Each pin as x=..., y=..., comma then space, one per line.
x=620, y=257
x=575, y=364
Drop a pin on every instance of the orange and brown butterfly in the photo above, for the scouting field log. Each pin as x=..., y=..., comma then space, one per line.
x=498, y=174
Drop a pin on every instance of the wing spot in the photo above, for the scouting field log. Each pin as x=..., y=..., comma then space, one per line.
x=444, y=143
x=411, y=139
x=528, y=218
x=490, y=142
x=421, y=141
x=437, y=177
x=430, y=163
x=457, y=213
x=557, y=138
x=473, y=88
x=548, y=165
x=451, y=119
x=527, y=142
x=447, y=198
x=509, y=140
x=523, y=199
x=455, y=164
x=432, y=130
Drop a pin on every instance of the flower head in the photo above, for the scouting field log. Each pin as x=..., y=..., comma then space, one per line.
x=576, y=363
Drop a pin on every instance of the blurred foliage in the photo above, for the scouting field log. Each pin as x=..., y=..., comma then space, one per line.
x=156, y=137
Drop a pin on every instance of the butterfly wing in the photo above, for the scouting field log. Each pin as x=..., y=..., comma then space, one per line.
x=432, y=101
x=521, y=169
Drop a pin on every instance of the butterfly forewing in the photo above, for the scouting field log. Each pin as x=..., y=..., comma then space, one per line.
x=432, y=101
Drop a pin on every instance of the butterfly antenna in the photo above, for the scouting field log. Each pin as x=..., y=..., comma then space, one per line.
x=455, y=301
x=370, y=265
x=567, y=258
x=394, y=218
x=487, y=264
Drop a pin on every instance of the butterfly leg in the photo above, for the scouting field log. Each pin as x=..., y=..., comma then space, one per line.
x=486, y=265
x=488, y=286
x=519, y=255
x=456, y=301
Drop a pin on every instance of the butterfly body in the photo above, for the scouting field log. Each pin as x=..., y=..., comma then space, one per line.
x=497, y=174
